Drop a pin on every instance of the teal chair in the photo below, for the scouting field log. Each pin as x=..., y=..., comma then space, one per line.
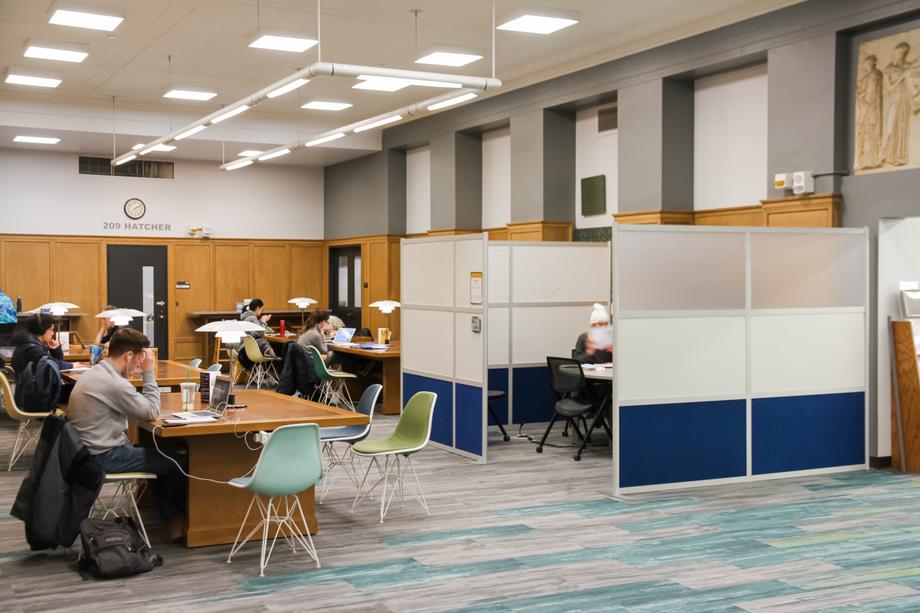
x=289, y=464
x=195, y=363
x=331, y=389
x=411, y=435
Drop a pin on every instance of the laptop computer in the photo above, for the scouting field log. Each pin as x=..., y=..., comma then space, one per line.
x=343, y=336
x=217, y=405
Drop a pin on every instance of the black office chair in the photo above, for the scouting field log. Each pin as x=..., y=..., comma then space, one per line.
x=497, y=394
x=575, y=400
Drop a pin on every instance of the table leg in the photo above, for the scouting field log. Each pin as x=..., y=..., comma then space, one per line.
x=215, y=511
x=392, y=403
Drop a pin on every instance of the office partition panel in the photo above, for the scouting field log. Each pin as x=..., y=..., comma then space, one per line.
x=740, y=354
x=444, y=294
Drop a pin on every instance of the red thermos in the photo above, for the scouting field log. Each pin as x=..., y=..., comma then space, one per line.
x=282, y=327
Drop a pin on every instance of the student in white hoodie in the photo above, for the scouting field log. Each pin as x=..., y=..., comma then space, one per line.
x=593, y=347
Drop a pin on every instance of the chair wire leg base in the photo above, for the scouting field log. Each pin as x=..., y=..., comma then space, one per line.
x=397, y=479
x=283, y=514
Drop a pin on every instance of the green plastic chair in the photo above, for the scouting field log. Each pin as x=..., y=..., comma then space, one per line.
x=331, y=389
x=289, y=464
x=411, y=435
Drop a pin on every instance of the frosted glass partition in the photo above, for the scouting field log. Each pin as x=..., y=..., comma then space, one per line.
x=427, y=278
x=807, y=270
x=499, y=277
x=680, y=271
x=559, y=273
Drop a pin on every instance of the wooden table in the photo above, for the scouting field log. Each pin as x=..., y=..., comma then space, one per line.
x=217, y=451
x=168, y=373
x=392, y=388
x=77, y=353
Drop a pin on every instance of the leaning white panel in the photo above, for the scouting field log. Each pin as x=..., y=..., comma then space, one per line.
x=499, y=329
x=468, y=350
x=561, y=273
x=680, y=358
x=428, y=273
x=680, y=271
x=499, y=277
x=428, y=342
x=546, y=331
x=807, y=353
x=468, y=259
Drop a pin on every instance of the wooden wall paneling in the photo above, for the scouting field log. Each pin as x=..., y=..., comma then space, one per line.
x=75, y=278
x=734, y=216
x=812, y=211
x=232, y=273
x=908, y=390
x=192, y=263
x=497, y=234
x=393, y=245
x=271, y=281
x=378, y=278
x=28, y=267
x=655, y=217
x=307, y=272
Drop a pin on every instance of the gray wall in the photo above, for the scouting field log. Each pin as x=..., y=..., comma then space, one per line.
x=366, y=195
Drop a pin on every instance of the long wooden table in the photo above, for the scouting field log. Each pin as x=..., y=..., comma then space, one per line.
x=216, y=450
x=167, y=373
x=392, y=388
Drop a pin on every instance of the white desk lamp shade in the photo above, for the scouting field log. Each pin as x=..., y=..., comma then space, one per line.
x=230, y=325
x=121, y=317
x=302, y=302
x=56, y=308
x=385, y=306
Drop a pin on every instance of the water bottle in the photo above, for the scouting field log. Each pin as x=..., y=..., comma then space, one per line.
x=282, y=328
x=18, y=304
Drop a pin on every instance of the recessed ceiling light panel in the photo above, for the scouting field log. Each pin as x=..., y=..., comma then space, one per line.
x=58, y=52
x=324, y=105
x=93, y=18
x=188, y=94
x=539, y=21
x=447, y=58
x=37, y=140
x=282, y=42
x=15, y=78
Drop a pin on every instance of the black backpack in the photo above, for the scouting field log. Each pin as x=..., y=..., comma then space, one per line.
x=113, y=548
x=38, y=386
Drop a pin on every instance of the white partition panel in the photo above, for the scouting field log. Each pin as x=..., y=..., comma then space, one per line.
x=499, y=281
x=807, y=352
x=681, y=358
x=427, y=344
x=469, y=367
x=560, y=273
x=468, y=259
x=546, y=331
x=427, y=277
x=499, y=336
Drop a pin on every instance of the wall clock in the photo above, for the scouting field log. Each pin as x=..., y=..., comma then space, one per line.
x=135, y=208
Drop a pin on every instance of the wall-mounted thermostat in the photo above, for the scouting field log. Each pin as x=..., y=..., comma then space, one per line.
x=803, y=182
x=476, y=324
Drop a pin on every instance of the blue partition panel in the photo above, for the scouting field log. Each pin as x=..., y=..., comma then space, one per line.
x=802, y=432
x=442, y=426
x=534, y=400
x=673, y=443
x=498, y=380
x=468, y=434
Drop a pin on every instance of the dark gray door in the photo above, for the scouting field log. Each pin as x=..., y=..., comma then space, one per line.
x=345, y=284
x=137, y=279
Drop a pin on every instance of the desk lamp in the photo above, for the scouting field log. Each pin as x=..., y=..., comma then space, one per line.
x=302, y=304
x=386, y=307
x=121, y=317
x=231, y=333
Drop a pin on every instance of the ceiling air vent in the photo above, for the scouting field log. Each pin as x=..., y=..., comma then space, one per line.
x=146, y=169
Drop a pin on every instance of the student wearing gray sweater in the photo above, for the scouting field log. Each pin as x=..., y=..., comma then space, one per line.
x=100, y=405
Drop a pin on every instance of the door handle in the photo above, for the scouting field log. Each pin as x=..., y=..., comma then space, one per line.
x=160, y=303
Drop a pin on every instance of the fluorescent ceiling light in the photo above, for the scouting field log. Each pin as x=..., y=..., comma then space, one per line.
x=320, y=105
x=294, y=44
x=249, y=153
x=187, y=94
x=188, y=133
x=537, y=24
x=325, y=139
x=231, y=113
x=37, y=140
x=238, y=164
x=451, y=101
x=287, y=88
x=138, y=146
x=85, y=19
x=377, y=124
x=274, y=154
x=22, y=79
x=160, y=147
x=448, y=58
x=125, y=160
x=393, y=84
x=61, y=53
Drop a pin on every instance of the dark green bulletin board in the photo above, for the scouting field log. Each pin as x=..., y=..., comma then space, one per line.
x=594, y=195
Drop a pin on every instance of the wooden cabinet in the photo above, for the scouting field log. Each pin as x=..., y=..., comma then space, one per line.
x=907, y=387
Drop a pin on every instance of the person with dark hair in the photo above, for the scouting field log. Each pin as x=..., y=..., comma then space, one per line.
x=107, y=329
x=35, y=341
x=253, y=313
x=100, y=405
x=314, y=333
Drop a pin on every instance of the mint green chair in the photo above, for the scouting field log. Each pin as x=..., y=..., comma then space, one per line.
x=411, y=435
x=332, y=389
x=289, y=464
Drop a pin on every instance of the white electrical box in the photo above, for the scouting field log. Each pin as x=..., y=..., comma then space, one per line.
x=782, y=180
x=803, y=182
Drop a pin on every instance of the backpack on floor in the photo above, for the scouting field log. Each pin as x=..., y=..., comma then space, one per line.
x=38, y=386
x=114, y=548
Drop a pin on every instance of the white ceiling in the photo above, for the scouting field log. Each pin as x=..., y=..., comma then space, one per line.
x=208, y=41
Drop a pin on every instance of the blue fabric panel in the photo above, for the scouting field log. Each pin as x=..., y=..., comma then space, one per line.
x=803, y=432
x=690, y=441
x=442, y=426
x=498, y=380
x=534, y=400
x=469, y=419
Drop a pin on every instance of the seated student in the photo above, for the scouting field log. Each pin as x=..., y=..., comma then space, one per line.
x=100, y=405
x=252, y=313
x=586, y=349
x=107, y=329
x=37, y=341
x=315, y=330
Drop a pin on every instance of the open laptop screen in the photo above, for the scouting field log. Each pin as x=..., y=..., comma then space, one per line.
x=220, y=395
x=344, y=335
